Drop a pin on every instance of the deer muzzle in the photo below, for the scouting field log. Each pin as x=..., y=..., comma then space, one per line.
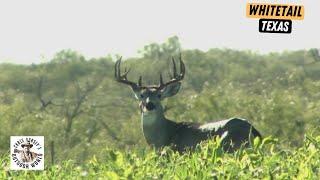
x=147, y=105
x=150, y=106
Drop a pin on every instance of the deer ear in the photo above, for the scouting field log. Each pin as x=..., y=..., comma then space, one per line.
x=170, y=90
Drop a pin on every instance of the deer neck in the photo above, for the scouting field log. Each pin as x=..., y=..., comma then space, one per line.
x=157, y=130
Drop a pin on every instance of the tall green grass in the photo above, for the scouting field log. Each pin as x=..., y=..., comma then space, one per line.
x=265, y=160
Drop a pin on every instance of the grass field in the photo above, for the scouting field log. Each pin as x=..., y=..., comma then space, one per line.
x=265, y=160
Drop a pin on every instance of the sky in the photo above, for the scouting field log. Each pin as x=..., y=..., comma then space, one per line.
x=33, y=31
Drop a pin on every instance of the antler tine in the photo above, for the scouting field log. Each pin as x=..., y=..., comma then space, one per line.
x=174, y=68
x=161, y=80
x=116, y=73
x=123, y=78
x=125, y=73
x=176, y=77
x=182, y=68
x=118, y=68
x=140, y=81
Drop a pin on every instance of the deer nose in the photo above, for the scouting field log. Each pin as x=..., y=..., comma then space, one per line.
x=150, y=106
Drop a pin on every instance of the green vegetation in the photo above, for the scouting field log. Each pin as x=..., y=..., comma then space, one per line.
x=75, y=103
x=264, y=160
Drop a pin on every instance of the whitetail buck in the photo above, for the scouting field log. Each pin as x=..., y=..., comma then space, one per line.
x=160, y=131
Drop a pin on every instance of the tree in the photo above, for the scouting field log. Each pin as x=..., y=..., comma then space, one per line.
x=162, y=51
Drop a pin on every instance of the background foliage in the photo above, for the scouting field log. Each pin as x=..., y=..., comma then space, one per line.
x=76, y=104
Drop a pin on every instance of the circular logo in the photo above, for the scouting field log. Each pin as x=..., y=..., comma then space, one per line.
x=27, y=152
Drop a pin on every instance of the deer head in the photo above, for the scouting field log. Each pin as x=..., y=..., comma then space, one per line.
x=150, y=96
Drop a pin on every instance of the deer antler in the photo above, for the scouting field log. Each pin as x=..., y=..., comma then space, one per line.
x=176, y=77
x=122, y=78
